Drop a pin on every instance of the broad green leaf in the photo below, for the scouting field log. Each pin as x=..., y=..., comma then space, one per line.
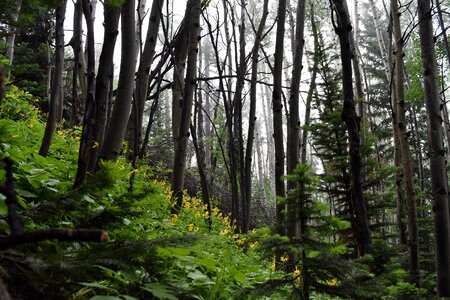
x=26, y=194
x=160, y=291
x=99, y=297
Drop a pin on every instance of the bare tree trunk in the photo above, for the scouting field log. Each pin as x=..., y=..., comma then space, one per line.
x=413, y=233
x=99, y=91
x=79, y=74
x=137, y=112
x=193, y=10
x=121, y=111
x=252, y=115
x=2, y=83
x=439, y=184
x=10, y=39
x=55, y=97
x=293, y=137
x=343, y=29
x=277, y=108
x=380, y=39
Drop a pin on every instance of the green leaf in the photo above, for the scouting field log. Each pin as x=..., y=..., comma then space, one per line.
x=3, y=206
x=160, y=291
x=100, y=297
x=26, y=194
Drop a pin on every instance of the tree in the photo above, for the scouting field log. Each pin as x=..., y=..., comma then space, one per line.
x=342, y=26
x=193, y=10
x=96, y=108
x=56, y=89
x=413, y=234
x=277, y=106
x=439, y=184
x=293, y=136
x=121, y=111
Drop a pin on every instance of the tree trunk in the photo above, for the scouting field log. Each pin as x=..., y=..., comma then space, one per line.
x=97, y=101
x=121, y=111
x=277, y=108
x=413, y=234
x=293, y=135
x=252, y=116
x=10, y=40
x=380, y=39
x=193, y=10
x=439, y=184
x=79, y=75
x=343, y=29
x=137, y=112
x=55, y=96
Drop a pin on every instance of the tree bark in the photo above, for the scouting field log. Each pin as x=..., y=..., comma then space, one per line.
x=293, y=136
x=343, y=29
x=439, y=184
x=115, y=133
x=252, y=116
x=193, y=10
x=10, y=40
x=413, y=233
x=96, y=109
x=277, y=108
x=55, y=96
x=137, y=112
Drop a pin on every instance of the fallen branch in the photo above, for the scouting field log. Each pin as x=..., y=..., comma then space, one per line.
x=19, y=236
x=60, y=234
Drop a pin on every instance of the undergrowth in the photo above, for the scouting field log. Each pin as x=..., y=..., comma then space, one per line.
x=151, y=254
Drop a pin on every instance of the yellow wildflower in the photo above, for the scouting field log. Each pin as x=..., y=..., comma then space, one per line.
x=173, y=218
x=332, y=282
x=198, y=215
x=253, y=231
x=224, y=232
x=78, y=138
x=187, y=204
x=96, y=145
x=253, y=245
x=191, y=227
x=284, y=258
x=206, y=215
x=297, y=275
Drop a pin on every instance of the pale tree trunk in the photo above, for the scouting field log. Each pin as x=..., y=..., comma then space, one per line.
x=439, y=184
x=193, y=10
x=99, y=92
x=380, y=39
x=277, y=108
x=2, y=83
x=137, y=112
x=413, y=235
x=252, y=115
x=121, y=111
x=10, y=39
x=268, y=121
x=293, y=128
x=55, y=96
x=343, y=30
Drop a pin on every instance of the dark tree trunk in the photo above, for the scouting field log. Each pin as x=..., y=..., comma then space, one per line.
x=96, y=109
x=115, y=133
x=55, y=95
x=277, y=107
x=193, y=11
x=439, y=184
x=343, y=28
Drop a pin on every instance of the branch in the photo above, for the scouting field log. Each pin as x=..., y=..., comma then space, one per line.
x=60, y=234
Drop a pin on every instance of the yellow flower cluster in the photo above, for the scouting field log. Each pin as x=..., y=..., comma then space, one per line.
x=297, y=276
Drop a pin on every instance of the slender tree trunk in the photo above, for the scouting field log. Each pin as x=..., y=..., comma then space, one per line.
x=293, y=136
x=343, y=30
x=380, y=39
x=121, y=111
x=193, y=10
x=79, y=75
x=99, y=91
x=55, y=97
x=252, y=115
x=439, y=184
x=277, y=108
x=413, y=233
x=2, y=83
x=137, y=112
x=11, y=38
